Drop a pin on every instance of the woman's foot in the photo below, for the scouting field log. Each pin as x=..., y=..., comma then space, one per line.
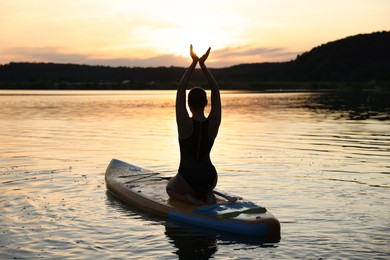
x=211, y=199
x=192, y=199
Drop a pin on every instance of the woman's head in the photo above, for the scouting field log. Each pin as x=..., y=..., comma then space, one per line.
x=197, y=98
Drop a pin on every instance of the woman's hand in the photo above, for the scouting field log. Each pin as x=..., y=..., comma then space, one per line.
x=205, y=56
x=194, y=57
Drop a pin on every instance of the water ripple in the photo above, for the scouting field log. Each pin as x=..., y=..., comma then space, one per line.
x=320, y=167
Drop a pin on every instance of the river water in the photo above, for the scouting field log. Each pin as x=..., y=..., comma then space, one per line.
x=320, y=162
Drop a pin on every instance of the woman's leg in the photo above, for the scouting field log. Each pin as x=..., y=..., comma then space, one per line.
x=179, y=189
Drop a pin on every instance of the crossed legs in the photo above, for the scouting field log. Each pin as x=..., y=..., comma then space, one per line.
x=179, y=189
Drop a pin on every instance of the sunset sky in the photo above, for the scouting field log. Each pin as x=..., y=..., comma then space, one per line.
x=159, y=32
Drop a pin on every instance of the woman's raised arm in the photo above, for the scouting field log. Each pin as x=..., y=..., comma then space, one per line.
x=215, y=115
x=182, y=116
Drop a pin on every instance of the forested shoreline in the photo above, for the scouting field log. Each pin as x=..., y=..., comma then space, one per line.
x=357, y=62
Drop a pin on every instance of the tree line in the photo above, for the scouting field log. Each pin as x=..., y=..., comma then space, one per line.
x=362, y=60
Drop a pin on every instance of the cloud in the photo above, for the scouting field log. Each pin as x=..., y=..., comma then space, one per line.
x=246, y=54
x=43, y=54
x=219, y=58
x=157, y=61
x=52, y=54
x=280, y=54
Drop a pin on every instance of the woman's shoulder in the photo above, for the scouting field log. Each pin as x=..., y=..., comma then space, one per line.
x=185, y=129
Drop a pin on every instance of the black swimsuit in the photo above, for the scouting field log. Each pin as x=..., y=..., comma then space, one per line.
x=195, y=164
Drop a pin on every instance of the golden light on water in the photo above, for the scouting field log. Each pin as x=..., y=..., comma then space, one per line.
x=286, y=152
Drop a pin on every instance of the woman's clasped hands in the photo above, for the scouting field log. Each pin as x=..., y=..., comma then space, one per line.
x=195, y=57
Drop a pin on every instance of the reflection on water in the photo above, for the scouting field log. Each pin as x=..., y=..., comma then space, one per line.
x=190, y=245
x=318, y=161
x=353, y=106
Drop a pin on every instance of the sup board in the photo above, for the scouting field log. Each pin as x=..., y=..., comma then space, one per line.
x=145, y=189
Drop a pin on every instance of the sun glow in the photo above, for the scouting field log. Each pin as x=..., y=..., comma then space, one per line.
x=179, y=40
x=200, y=41
x=159, y=33
x=202, y=27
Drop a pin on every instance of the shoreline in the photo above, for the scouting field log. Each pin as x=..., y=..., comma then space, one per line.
x=266, y=87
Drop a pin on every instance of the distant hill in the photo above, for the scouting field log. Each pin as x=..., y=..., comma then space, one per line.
x=360, y=59
x=364, y=57
x=356, y=58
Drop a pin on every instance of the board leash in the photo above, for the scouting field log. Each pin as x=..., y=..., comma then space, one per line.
x=231, y=199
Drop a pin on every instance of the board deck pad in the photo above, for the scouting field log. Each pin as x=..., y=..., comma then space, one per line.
x=146, y=189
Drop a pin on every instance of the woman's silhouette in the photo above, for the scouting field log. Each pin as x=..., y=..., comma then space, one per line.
x=197, y=176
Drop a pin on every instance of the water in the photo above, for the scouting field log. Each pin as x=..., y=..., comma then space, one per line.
x=319, y=162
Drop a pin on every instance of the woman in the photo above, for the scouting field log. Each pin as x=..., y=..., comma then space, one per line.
x=197, y=176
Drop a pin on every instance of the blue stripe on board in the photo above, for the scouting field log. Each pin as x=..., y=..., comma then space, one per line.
x=223, y=225
x=219, y=209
